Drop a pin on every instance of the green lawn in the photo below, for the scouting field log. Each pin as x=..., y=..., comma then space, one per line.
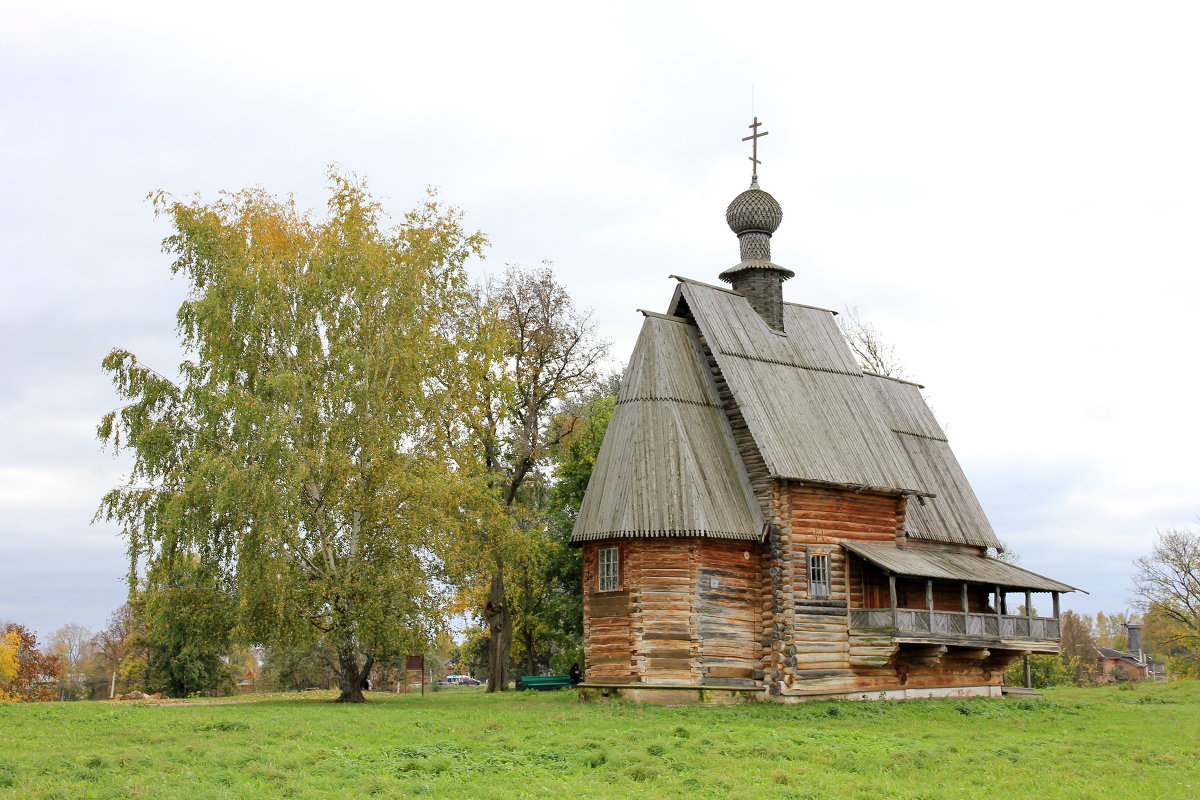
x=1076, y=743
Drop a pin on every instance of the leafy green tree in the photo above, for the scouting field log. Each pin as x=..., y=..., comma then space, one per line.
x=187, y=620
x=304, y=454
x=1078, y=647
x=552, y=358
x=293, y=670
x=1045, y=669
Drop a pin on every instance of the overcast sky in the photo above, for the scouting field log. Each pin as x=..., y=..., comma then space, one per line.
x=1009, y=193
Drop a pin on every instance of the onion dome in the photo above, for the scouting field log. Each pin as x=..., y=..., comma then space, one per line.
x=754, y=210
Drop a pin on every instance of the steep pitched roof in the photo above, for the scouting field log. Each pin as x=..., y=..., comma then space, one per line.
x=802, y=394
x=816, y=416
x=667, y=466
x=953, y=514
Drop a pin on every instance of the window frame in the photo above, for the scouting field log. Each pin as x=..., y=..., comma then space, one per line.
x=608, y=570
x=819, y=566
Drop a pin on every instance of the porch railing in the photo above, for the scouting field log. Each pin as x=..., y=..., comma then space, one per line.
x=956, y=623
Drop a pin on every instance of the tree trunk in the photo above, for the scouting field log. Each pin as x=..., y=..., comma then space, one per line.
x=499, y=622
x=351, y=676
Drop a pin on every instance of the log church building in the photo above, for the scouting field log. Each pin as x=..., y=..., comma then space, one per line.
x=768, y=521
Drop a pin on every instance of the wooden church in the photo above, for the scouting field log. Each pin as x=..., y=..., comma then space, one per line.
x=768, y=521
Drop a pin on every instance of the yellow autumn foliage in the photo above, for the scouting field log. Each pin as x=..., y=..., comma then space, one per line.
x=9, y=664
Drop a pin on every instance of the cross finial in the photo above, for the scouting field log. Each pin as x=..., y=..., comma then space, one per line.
x=753, y=139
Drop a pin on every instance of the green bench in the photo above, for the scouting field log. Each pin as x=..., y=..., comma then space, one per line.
x=543, y=683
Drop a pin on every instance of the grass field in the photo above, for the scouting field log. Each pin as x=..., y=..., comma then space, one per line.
x=1076, y=743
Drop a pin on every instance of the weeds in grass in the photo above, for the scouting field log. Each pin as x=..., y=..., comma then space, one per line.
x=224, y=725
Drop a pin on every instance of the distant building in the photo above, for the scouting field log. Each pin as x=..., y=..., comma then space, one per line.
x=766, y=520
x=1116, y=665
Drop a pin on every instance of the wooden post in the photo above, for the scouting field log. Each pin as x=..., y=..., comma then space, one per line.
x=892, y=597
x=1057, y=618
x=929, y=602
x=1028, y=674
x=1028, y=619
x=999, y=613
x=966, y=607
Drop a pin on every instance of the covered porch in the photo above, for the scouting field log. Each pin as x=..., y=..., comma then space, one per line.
x=925, y=596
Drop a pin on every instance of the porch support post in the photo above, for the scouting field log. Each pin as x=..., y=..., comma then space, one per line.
x=929, y=602
x=966, y=606
x=1057, y=618
x=999, y=613
x=1028, y=603
x=892, y=597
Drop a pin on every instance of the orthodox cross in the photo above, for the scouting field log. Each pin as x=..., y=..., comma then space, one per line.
x=753, y=139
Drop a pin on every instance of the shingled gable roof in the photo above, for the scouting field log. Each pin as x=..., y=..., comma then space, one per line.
x=954, y=513
x=816, y=416
x=802, y=394
x=667, y=464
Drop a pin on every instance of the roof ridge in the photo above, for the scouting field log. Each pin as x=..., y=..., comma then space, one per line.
x=682, y=279
x=668, y=317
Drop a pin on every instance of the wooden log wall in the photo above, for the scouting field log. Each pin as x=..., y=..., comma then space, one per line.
x=687, y=612
x=816, y=651
x=663, y=576
x=607, y=622
x=728, y=620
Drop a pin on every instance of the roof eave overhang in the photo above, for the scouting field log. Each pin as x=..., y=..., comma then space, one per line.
x=1035, y=582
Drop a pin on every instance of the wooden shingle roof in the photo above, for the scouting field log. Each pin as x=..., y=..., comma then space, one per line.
x=953, y=514
x=667, y=466
x=922, y=563
x=802, y=394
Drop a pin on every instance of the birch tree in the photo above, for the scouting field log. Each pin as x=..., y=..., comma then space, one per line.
x=301, y=454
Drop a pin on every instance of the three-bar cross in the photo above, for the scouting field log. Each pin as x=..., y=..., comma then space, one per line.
x=753, y=139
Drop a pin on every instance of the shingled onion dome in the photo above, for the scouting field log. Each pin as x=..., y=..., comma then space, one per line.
x=754, y=215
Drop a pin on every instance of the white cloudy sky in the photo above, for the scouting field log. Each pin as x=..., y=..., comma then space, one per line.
x=1010, y=193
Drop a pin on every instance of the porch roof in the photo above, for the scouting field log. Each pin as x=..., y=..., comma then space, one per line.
x=921, y=563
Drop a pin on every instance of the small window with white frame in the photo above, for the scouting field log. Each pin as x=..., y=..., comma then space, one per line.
x=818, y=575
x=608, y=569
